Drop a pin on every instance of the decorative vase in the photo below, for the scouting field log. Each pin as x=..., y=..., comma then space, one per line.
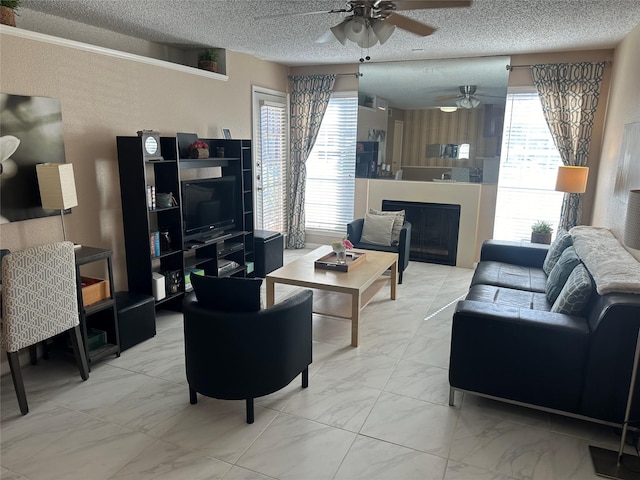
x=342, y=256
x=199, y=153
x=208, y=65
x=7, y=16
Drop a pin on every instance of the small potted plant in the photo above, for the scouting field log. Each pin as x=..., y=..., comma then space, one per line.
x=199, y=149
x=208, y=60
x=541, y=232
x=7, y=12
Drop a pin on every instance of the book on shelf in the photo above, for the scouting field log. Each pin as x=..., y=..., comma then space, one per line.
x=151, y=197
x=154, y=243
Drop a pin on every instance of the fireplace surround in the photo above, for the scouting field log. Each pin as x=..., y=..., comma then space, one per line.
x=434, y=230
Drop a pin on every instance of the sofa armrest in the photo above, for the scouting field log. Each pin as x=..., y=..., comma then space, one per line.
x=525, y=355
x=354, y=230
x=515, y=253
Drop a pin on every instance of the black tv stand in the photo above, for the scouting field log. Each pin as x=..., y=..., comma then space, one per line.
x=208, y=240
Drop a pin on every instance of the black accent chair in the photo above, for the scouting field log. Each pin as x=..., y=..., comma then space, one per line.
x=354, y=233
x=243, y=355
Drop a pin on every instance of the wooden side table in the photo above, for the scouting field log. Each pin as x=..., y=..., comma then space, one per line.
x=102, y=314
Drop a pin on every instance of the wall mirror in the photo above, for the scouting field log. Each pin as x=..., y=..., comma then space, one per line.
x=436, y=120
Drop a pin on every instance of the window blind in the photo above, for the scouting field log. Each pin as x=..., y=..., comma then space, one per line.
x=271, y=199
x=528, y=170
x=330, y=186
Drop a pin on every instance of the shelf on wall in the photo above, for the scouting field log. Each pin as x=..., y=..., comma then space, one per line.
x=63, y=42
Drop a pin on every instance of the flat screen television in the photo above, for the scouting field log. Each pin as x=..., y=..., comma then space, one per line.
x=208, y=207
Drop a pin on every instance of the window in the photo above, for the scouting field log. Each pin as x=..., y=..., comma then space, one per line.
x=270, y=160
x=330, y=187
x=528, y=170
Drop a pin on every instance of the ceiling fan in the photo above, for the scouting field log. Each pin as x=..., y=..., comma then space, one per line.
x=373, y=21
x=467, y=98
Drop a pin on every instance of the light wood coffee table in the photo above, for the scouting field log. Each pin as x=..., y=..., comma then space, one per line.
x=362, y=282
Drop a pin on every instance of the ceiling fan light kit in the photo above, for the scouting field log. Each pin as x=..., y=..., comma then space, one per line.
x=374, y=21
x=468, y=102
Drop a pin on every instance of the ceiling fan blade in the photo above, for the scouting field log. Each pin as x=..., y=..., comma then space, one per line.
x=410, y=25
x=326, y=37
x=444, y=98
x=300, y=14
x=423, y=4
x=488, y=96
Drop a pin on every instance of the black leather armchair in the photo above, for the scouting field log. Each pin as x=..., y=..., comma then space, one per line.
x=240, y=356
x=354, y=233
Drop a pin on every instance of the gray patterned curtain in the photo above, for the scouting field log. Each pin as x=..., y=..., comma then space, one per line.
x=310, y=96
x=569, y=94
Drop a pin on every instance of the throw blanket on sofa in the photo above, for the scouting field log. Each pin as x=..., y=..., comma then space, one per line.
x=613, y=268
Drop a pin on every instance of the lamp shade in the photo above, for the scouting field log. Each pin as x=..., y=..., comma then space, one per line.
x=383, y=30
x=632, y=221
x=339, y=31
x=57, y=185
x=572, y=179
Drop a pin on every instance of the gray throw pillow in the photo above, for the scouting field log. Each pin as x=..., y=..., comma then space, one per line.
x=576, y=292
x=397, y=222
x=562, y=241
x=560, y=273
x=377, y=229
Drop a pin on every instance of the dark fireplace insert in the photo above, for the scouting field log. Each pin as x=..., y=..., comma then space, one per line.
x=434, y=230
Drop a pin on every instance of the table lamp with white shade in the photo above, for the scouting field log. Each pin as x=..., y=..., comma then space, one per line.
x=57, y=188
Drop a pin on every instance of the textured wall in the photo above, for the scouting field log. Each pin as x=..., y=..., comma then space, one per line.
x=624, y=108
x=103, y=97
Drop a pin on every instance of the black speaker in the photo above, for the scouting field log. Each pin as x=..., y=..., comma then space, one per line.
x=173, y=281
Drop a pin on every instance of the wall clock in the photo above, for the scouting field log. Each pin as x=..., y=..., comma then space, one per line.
x=150, y=144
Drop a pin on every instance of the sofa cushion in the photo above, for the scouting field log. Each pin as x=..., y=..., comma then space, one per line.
x=377, y=229
x=511, y=276
x=561, y=242
x=227, y=294
x=398, y=221
x=560, y=273
x=509, y=296
x=576, y=292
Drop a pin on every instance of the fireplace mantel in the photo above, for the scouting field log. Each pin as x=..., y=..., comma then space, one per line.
x=477, y=207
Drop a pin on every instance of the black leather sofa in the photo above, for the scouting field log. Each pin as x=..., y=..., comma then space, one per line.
x=507, y=344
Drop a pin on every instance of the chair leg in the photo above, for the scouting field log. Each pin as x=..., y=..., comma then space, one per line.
x=305, y=377
x=78, y=351
x=33, y=354
x=249, y=410
x=18, y=384
x=45, y=350
x=193, y=396
x=400, y=277
x=452, y=397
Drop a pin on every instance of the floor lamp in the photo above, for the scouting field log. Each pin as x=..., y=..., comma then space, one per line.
x=572, y=180
x=57, y=188
x=608, y=463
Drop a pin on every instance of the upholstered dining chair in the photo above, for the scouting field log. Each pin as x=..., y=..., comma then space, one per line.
x=39, y=301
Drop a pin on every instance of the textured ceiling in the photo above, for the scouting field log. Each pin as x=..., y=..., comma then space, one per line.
x=487, y=28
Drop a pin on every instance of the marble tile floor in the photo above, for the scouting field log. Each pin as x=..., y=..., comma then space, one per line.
x=378, y=411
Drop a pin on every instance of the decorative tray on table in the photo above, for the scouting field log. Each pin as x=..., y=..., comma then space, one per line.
x=330, y=261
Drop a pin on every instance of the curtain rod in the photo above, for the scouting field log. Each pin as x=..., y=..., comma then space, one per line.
x=357, y=74
x=511, y=67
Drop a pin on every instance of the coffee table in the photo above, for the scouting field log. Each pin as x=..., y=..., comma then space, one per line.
x=362, y=282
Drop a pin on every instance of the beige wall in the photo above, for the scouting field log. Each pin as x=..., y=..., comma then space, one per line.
x=624, y=108
x=103, y=97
